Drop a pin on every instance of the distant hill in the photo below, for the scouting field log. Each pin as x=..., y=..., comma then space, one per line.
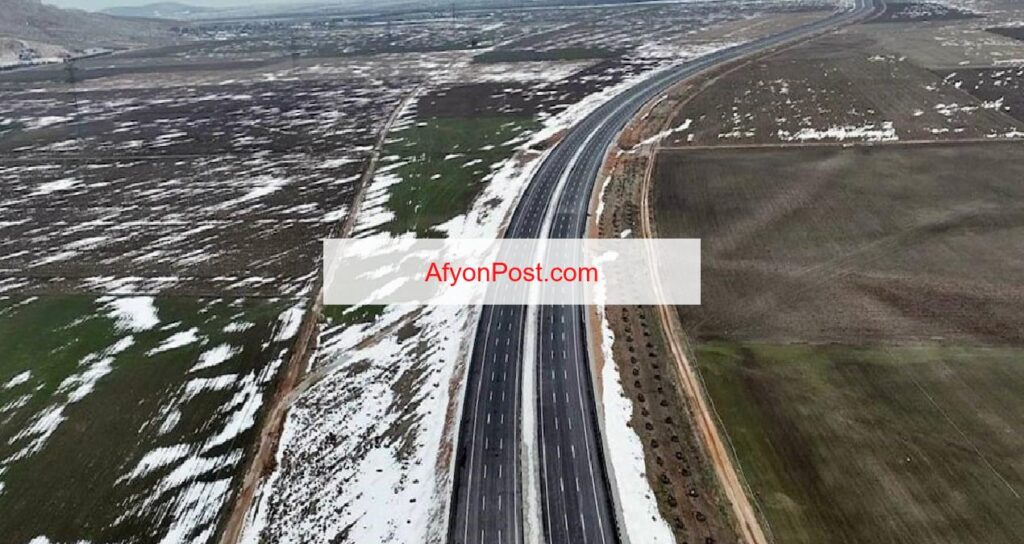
x=31, y=31
x=329, y=8
x=160, y=10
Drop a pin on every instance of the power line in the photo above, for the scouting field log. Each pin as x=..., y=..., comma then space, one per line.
x=71, y=78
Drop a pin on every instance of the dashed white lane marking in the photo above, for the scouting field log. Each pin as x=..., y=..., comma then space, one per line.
x=472, y=454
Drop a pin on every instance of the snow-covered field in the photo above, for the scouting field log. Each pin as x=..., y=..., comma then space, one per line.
x=157, y=246
x=223, y=189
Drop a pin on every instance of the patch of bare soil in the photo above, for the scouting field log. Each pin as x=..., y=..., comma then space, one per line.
x=908, y=243
x=1001, y=89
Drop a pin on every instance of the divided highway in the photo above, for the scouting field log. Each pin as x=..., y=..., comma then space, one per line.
x=575, y=493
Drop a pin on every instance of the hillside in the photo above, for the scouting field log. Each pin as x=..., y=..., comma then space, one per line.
x=50, y=31
x=159, y=10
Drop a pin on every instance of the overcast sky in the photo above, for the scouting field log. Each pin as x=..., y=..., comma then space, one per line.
x=93, y=5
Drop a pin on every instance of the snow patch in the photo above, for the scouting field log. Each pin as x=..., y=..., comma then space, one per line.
x=885, y=132
x=289, y=323
x=177, y=340
x=133, y=314
x=215, y=356
x=18, y=379
x=642, y=519
x=63, y=184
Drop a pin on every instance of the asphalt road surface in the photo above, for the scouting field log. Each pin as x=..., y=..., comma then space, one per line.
x=575, y=496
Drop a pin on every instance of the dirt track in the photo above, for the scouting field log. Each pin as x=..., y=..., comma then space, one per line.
x=703, y=421
x=728, y=475
x=305, y=343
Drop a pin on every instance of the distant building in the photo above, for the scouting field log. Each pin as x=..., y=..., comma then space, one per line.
x=28, y=54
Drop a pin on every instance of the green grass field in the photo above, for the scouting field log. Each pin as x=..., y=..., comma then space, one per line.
x=876, y=444
x=443, y=166
x=104, y=434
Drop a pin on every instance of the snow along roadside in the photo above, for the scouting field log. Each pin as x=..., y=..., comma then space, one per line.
x=341, y=474
x=642, y=522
